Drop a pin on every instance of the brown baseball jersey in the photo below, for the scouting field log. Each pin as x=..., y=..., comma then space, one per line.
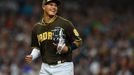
x=42, y=38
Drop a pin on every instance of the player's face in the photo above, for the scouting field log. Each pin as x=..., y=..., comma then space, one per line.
x=50, y=9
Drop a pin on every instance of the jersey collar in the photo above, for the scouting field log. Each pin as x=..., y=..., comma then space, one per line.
x=50, y=21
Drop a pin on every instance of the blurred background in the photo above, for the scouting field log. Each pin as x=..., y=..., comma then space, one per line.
x=106, y=27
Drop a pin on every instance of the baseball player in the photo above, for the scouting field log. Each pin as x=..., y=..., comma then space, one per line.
x=54, y=38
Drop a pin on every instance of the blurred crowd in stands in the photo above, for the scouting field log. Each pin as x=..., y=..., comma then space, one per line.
x=106, y=27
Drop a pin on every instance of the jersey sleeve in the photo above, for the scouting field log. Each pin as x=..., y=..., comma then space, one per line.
x=72, y=33
x=34, y=40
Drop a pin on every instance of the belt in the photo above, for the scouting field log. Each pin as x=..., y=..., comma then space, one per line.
x=57, y=62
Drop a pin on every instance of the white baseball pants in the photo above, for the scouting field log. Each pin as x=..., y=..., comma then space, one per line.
x=66, y=68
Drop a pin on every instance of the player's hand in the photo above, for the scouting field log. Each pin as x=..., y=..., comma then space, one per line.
x=64, y=49
x=28, y=59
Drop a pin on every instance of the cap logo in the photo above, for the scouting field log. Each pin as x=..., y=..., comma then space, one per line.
x=48, y=0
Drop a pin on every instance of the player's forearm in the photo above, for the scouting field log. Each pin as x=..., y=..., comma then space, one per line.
x=73, y=46
x=35, y=53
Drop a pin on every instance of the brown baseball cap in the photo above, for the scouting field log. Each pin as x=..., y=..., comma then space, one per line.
x=45, y=2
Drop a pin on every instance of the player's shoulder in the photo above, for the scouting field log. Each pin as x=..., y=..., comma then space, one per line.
x=64, y=19
x=67, y=23
x=36, y=25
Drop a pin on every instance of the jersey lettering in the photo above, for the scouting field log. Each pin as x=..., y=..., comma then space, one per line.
x=44, y=36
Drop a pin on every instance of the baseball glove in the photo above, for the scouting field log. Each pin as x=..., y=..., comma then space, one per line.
x=58, y=38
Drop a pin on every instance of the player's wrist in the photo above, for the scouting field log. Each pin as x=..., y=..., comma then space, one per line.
x=73, y=46
x=31, y=56
x=35, y=53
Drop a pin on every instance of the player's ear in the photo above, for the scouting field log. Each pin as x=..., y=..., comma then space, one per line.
x=43, y=7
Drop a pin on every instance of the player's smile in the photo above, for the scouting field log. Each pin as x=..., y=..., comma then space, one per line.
x=53, y=11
